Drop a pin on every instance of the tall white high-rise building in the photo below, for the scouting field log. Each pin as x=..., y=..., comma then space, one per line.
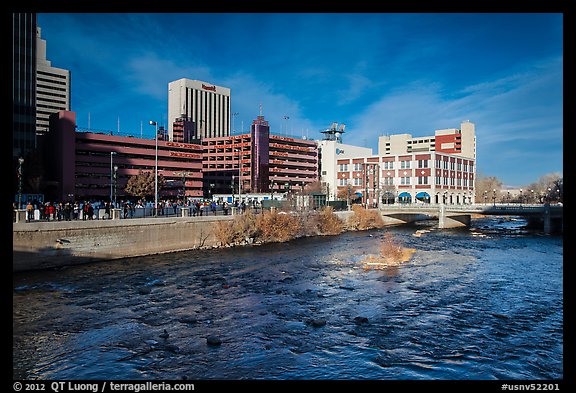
x=52, y=87
x=206, y=105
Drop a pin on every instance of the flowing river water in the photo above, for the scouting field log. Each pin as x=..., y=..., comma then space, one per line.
x=484, y=302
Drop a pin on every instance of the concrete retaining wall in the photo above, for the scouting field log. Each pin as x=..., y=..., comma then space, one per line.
x=50, y=244
x=41, y=245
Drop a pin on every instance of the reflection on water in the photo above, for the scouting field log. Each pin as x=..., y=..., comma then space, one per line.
x=478, y=303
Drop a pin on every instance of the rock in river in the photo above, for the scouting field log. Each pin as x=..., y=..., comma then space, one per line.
x=360, y=320
x=213, y=341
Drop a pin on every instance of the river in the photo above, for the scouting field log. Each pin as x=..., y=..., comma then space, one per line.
x=480, y=303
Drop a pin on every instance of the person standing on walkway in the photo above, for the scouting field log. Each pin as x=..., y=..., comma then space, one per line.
x=29, y=212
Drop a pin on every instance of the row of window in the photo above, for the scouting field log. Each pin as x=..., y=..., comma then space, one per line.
x=406, y=180
x=53, y=75
x=51, y=81
x=408, y=164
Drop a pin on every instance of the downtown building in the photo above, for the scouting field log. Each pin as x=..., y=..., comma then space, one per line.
x=52, y=87
x=258, y=162
x=96, y=166
x=434, y=169
x=201, y=107
x=23, y=85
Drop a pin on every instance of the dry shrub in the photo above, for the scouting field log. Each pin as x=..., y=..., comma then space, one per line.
x=223, y=232
x=390, y=248
x=328, y=223
x=364, y=219
x=392, y=253
x=238, y=230
x=320, y=223
x=278, y=227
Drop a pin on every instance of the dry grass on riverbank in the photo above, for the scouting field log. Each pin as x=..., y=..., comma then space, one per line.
x=364, y=219
x=274, y=226
x=392, y=253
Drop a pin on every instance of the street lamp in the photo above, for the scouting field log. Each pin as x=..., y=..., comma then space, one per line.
x=20, y=162
x=154, y=123
x=520, y=197
x=239, y=150
x=232, y=186
x=111, y=175
x=115, y=182
x=548, y=196
x=234, y=117
x=286, y=124
x=485, y=197
x=494, y=196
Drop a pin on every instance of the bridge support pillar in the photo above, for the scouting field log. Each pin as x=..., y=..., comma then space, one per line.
x=547, y=219
x=453, y=220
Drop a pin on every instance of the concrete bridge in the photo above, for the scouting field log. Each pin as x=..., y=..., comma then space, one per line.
x=452, y=216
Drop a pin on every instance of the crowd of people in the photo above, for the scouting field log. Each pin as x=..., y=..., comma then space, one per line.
x=94, y=210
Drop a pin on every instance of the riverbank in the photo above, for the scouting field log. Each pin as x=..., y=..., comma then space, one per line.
x=46, y=245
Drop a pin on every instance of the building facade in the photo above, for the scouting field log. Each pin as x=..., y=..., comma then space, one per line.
x=205, y=105
x=258, y=162
x=52, y=87
x=460, y=141
x=408, y=178
x=434, y=169
x=23, y=84
x=96, y=166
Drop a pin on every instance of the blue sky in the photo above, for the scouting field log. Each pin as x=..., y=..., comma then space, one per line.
x=378, y=73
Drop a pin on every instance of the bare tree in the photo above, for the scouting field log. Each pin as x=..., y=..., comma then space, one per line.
x=487, y=187
x=142, y=184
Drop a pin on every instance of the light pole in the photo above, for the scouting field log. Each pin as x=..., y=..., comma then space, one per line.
x=154, y=123
x=111, y=176
x=232, y=185
x=239, y=174
x=286, y=124
x=485, y=197
x=20, y=162
x=520, y=197
x=234, y=117
x=532, y=192
x=494, y=196
x=115, y=182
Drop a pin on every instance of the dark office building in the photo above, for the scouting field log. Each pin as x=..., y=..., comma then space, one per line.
x=23, y=84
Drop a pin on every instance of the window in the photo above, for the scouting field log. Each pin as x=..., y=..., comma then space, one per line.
x=422, y=163
x=404, y=180
x=445, y=181
x=357, y=181
x=343, y=168
x=388, y=165
x=405, y=164
x=445, y=164
x=459, y=166
x=358, y=166
x=451, y=181
x=459, y=182
x=438, y=163
x=422, y=179
x=452, y=165
x=465, y=167
x=437, y=180
x=388, y=181
x=341, y=182
x=465, y=182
